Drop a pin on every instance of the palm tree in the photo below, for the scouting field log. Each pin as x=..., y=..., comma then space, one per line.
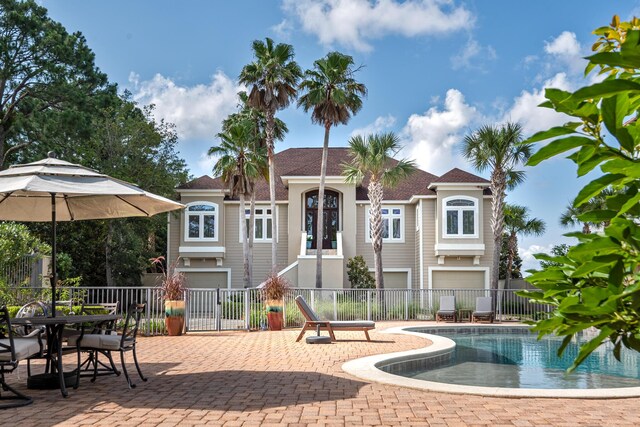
x=333, y=95
x=258, y=118
x=517, y=221
x=500, y=149
x=570, y=217
x=239, y=164
x=372, y=157
x=273, y=77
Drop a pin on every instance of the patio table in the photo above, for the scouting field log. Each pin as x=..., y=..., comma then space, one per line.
x=55, y=327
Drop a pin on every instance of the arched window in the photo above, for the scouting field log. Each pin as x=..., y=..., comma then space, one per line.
x=460, y=216
x=201, y=222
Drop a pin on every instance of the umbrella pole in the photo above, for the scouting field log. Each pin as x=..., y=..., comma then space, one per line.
x=54, y=255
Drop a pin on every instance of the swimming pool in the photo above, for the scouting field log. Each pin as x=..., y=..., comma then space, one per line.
x=498, y=360
x=514, y=357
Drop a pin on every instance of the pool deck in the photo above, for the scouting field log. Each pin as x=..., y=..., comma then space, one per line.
x=267, y=379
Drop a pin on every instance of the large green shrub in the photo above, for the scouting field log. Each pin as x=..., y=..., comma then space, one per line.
x=597, y=283
x=359, y=274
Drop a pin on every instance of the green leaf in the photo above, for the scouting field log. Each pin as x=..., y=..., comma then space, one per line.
x=558, y=146
x=601, y=245
x=595, y=187
x=589, y=347
x=615, y=59
x=550, y=133
x=630, y=204
x=598, y=215
x=605, y=89
x=630, y=168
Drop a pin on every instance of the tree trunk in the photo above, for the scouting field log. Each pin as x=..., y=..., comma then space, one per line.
x=108, y=268
x=498, y=187
x=252, y=218
x=512, y=245
x=2, y=147
x=375, y=197
x=320, y=224
x=246, y=278
x=272, y=188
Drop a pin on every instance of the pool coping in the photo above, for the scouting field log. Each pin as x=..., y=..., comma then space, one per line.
x=365, y=368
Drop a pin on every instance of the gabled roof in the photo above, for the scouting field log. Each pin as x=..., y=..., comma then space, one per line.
x=456, y=175
x=301, y=162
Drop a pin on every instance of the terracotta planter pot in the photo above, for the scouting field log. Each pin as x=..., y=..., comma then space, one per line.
x=275, y=321
x=174, y=320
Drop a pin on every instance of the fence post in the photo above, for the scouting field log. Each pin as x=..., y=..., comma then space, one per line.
x=313, y=299
x=218, y=310
x=368, y=304
x=335, y=305
x=406, y=304
x=247, y=310
x=150, y=327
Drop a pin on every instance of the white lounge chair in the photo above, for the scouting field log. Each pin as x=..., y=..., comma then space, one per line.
x=483, y=310
x=447, y=309
x=312, y=321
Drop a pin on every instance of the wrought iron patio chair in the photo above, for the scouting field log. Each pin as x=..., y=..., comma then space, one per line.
x=447, y=308
x=106, y=344
x=92, y=361
x=12, y=350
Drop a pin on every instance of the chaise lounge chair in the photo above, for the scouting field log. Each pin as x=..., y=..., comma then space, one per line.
x=447, y=309
x=312, y=321
x=483, y=310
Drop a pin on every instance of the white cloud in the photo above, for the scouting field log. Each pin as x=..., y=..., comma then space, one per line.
x=473, y=56
x=353, y=23
x=381, y=124
x=567, y=51
x=283, y=29
x=566, y=44
x=525, y=108
x=205, y=163
x=527, y=255
x=197, y=111
x=430, y=138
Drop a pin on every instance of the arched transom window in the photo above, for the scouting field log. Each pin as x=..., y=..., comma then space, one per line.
x=460, y=216
x=201, y=222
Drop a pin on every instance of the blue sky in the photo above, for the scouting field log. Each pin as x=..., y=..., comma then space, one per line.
x=435, y=70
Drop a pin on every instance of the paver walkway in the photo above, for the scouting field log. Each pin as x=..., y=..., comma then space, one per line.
x=266, y=378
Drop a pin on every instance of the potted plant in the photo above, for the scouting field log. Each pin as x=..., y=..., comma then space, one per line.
x=274, y=290
x=172, y=287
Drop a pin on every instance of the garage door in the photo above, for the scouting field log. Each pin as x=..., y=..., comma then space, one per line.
x=395, y=279
x=458, y=279
x=207, y=280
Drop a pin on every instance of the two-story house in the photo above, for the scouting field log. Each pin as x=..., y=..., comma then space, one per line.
x=436, y=229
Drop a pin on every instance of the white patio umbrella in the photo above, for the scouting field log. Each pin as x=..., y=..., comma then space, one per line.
x=55, y=190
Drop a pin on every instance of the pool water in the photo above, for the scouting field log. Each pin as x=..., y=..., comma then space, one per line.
x=515, y=358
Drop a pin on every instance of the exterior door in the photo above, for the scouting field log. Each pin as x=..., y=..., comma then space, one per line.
x=330, y=214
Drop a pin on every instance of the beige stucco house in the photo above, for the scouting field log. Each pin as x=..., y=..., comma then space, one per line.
x=437, y=232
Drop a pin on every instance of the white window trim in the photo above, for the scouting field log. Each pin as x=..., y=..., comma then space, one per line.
x=265, y=216
x=367, y=217
x=215, y=225
x=445, y=235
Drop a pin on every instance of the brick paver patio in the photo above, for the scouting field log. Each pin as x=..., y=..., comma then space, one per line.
x=266, y=378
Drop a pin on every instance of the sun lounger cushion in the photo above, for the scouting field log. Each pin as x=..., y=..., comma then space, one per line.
x=337, y=324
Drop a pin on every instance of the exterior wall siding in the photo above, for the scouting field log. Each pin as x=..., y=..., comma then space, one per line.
x=394, y=255
x=261, y=250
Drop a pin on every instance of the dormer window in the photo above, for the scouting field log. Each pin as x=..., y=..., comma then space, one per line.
x=460, y=217
x=201, y=222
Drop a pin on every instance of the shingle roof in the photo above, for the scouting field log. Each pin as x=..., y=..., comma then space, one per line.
x=458, y=175
x=307, y=162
